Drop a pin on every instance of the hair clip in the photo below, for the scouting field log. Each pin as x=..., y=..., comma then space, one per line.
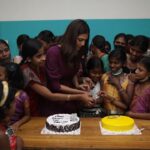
x=5, y=93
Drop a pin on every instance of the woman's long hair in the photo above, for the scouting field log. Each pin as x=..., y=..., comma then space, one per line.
x=68, y=43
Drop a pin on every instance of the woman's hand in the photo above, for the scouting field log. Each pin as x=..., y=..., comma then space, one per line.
x=84, y=87
x=88, y=81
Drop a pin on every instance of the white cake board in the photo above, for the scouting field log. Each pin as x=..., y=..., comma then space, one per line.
x=46, y=131
x=134, y=131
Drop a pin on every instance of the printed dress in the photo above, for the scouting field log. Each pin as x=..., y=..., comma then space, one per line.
x=113, y=92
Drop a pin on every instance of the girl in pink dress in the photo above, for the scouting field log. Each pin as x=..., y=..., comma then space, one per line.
x=13, y=74
x=22, y=110
x=7, y=108
x=140, y=104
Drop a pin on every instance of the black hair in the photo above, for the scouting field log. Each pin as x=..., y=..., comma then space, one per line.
x=120, y=35
x=118, y=54
x=109, y=46
x=15, y=75
x=21, y=39
x=129, y=38
x=4, y=42
x=146, y=62
x=94, y=62
x=30, y=48
x=99, y=42
x=9, y=100
x=46, y=36
x=5, y=60
x=71, y=56
x=140, y=41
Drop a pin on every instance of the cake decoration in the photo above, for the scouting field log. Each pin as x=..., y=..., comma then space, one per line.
x=62, y=124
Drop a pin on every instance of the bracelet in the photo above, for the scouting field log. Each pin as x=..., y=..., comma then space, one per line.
x=68, y=97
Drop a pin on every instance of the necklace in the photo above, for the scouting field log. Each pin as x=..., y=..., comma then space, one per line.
x=145, y=79
x=117, y=72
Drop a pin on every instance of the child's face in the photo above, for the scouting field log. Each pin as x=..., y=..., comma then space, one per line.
x=95, y=74
x=115, y=65
x=4, y=53
x=2, y=73
x=135, y=53
x=120, y=41
x=141, y=72
x=39, y=58
x=45, y=45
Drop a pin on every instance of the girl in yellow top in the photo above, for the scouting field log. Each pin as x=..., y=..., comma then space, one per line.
x=115, y=84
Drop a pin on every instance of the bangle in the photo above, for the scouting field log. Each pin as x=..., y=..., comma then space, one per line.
x=68, y=97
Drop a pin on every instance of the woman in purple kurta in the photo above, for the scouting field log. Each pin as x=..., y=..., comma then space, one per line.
x=57, y=71
x=59, y=74
x=63, y=62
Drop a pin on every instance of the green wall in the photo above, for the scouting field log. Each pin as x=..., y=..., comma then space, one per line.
x=9, y=30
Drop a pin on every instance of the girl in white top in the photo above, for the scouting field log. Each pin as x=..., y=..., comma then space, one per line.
x=94, y=71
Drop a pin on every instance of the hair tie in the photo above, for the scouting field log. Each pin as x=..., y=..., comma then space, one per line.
x=5, y=93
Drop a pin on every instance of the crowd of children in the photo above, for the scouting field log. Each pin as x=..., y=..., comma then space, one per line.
x=62, y=75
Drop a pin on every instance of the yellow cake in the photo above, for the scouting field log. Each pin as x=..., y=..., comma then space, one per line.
x=117, y=123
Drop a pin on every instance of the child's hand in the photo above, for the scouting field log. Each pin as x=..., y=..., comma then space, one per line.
x=15, y=126
x=17, y=59
x=99, y=100
x=105, y=96
x=129, y=113
x=114, y=81
x=133, y=77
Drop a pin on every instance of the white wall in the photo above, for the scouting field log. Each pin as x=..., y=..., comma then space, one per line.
x=12, y=10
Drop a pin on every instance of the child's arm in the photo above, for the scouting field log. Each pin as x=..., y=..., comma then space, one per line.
x=25, y=118
x=4, y=142
x=79, y=84
x=130, y=91
x=138, y=115
x=123, y=93
x=118, y=104
x=110, y=99
x=131, y=86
